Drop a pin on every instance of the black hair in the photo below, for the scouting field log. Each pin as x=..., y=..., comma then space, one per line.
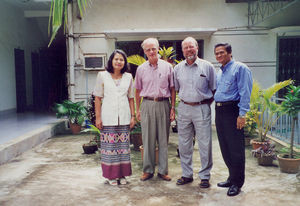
x=226, y=45
x=109, y=66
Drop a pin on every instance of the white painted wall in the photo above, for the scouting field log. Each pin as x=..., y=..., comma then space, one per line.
x=15, y=32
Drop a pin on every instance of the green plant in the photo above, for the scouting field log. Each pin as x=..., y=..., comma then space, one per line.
x=136, y=59
x=291, y=106
x=137, y=129
x=250, y=126
x=58, y=13
x=76, y=112
x=94, y=130
x=261, y=102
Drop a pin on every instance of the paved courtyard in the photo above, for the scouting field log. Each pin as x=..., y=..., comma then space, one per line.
x=58, y=173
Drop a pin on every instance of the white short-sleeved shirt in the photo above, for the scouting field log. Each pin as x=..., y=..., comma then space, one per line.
x=115, y=108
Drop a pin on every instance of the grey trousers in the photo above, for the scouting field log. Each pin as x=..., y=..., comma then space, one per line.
x=195, y=120
x=155, y=122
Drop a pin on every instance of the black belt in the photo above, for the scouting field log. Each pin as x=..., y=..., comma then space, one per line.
x=157, y=99
x=220, y=104
x=206, y=101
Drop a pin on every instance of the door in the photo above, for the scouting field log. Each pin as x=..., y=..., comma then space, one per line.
x=20, y=80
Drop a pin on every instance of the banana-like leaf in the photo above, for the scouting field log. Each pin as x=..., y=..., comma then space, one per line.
x=58, y=13
x=136, y=60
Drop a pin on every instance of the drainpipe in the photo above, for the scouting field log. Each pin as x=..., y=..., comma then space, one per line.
x=70, y=39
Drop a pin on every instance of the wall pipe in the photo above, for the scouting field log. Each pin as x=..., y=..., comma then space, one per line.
x=70, y=39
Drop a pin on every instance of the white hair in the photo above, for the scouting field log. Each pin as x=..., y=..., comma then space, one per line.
x=150, y=40
x=189, y=39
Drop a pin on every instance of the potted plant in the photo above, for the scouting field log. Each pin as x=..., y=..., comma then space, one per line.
x=260, y=103
x=136, y=136
x=289, y=162
x=76, y=112
x=265, y=155
x=250, y=127
x=95, y=143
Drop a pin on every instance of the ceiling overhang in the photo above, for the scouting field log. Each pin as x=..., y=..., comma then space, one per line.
x=159, y=32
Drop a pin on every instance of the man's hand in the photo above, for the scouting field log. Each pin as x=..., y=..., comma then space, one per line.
x=172, y=114
x=240, y=122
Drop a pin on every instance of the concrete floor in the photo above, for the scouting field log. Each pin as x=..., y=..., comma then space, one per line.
x=58, y=173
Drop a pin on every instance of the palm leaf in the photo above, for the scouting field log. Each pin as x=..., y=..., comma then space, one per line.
x=268, y=93
x=136, y=60
x=58, y=13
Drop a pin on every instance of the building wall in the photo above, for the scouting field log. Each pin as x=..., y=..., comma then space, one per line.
x=15, y=32
x=257, y=48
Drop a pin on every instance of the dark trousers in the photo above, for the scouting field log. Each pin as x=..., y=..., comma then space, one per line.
x=232, y=142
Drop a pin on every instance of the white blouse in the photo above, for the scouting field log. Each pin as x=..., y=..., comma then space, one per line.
x=115, y=108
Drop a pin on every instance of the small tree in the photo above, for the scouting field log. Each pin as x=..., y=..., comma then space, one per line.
x=291, y=106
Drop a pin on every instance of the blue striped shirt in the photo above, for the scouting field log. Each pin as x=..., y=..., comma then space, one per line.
x=234, y=82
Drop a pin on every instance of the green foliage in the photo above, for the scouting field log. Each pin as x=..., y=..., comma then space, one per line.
x=250, y=126
x=291, y=106
x=291, y=103
x=261, y=101
x=136, y=59
x=137, y=129
x=76, y=112
x=167, y=54
x=58, y=13
x=287, y=150
x=92, y=129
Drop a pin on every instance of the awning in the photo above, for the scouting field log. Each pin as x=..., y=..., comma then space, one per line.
x=159, y=32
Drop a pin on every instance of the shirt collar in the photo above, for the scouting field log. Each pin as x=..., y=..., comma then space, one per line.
x=152, y=67
x=197, y=62
x=224, y=68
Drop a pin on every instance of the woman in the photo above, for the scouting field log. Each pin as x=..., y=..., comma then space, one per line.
x=114, y=109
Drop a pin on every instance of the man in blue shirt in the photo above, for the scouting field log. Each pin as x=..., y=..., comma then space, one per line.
x=232, y=97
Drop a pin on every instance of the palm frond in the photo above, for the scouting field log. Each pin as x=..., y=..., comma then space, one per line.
x=59, y=15
x=136, y=60
x=268, y=93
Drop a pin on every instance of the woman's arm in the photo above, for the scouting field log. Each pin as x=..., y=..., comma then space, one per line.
x=98, y=112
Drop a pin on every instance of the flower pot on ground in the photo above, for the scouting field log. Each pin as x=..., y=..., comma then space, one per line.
x=76, y=112
x=94, y=130
x=260, y=103
x=288, y=165
x=265, y=155
x=90, y=148
x=289, y=162
x=136, y=136
x=156, y=153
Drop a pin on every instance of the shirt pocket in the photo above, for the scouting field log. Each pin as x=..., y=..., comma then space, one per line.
x=163, y=81
x=201, y=82
x=228, y=85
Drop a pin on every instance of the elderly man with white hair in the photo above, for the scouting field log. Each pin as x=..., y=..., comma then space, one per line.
x=195, y=82
x=154, y=83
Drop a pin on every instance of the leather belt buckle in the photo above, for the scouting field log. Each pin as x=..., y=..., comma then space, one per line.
x=156, y=99
x=219, y=104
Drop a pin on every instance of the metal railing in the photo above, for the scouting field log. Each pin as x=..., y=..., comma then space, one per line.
x=282, y=128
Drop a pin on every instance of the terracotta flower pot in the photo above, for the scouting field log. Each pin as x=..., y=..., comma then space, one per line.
x=156, y=153
x=288, y=165
x=256, y=144
x=75, y=128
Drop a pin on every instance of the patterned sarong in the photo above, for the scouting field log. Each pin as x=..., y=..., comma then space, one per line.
x=115, y=152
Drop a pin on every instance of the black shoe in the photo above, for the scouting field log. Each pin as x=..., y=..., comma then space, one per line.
x=233, y=190
x=184, y=180
x=224, y=184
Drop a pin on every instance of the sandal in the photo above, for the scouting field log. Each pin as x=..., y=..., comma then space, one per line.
x=204, y=183
x=123, y=181
x=113, y=182
x=184, y=180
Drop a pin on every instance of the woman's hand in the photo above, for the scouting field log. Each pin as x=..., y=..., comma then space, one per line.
x=99, y=124
x=132, y=122
x=138, y=115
